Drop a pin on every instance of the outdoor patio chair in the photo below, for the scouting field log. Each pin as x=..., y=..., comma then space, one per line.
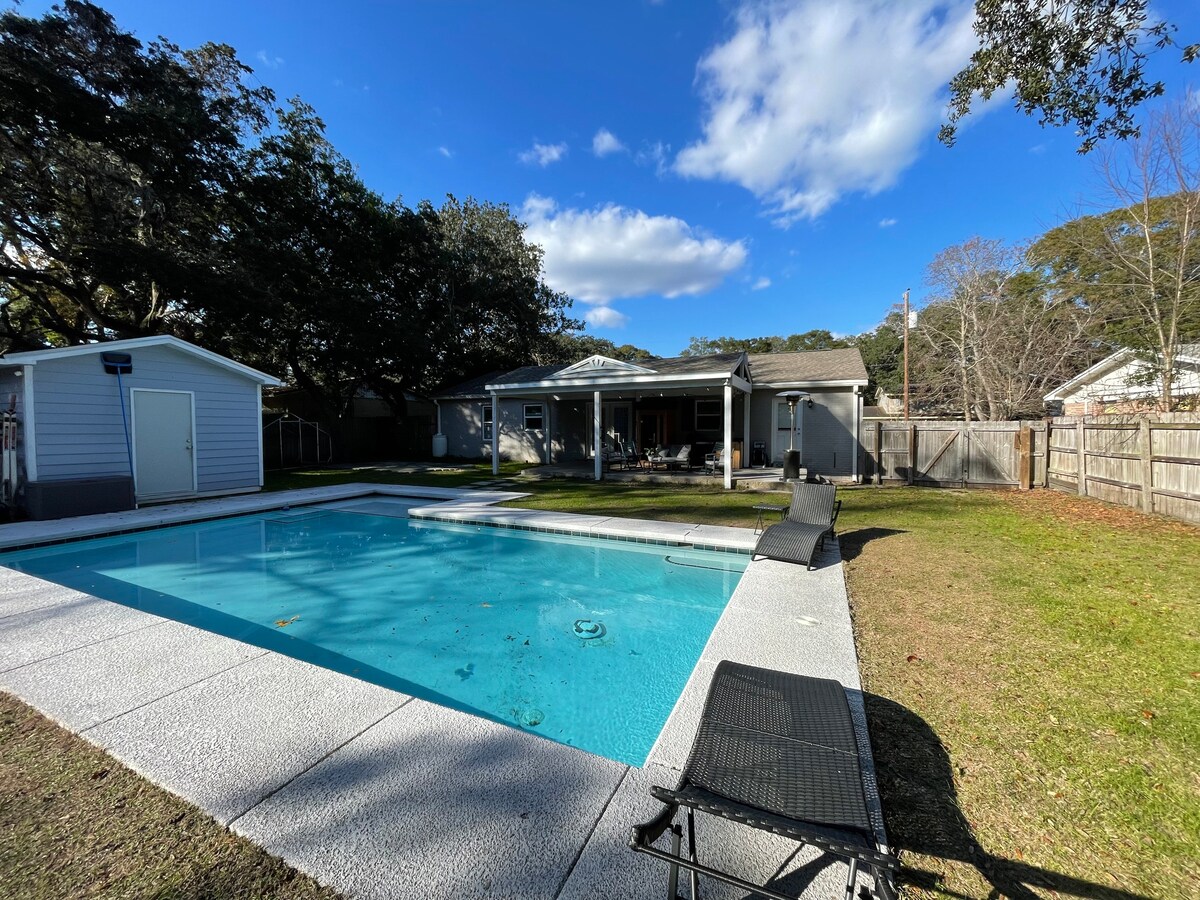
x=810, y=517
x=613, y=457
x=713, y=463
x=673, y=457
x=777, y=752
x=633, y=459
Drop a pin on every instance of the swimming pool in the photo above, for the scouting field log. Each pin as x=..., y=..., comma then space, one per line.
x=584, y=641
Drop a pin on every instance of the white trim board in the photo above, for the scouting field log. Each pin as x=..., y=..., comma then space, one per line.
x=32, y=357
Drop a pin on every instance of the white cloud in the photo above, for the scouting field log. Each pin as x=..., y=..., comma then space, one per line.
x=268, y=61
x=445, y=151
x=605, y=317
x=811, y=100
x=605, y=142
x=543, y=154
x=597, y=255
x=887, y=223
x=653, y=155
x=762, y=284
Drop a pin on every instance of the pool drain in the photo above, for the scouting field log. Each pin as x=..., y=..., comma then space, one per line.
x=587, y=630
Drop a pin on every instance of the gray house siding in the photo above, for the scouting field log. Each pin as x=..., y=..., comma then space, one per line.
x=829, y=442
x=462, y=424
x=78, y=427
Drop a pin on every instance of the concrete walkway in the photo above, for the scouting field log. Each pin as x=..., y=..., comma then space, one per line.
x=379, y=794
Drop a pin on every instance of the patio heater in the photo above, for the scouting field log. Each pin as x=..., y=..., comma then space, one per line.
x=791, y=459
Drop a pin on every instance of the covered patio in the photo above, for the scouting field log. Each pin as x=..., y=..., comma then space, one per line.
x=622, y=403
x=760, y=478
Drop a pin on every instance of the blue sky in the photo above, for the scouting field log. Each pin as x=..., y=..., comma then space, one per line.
x=690, y=168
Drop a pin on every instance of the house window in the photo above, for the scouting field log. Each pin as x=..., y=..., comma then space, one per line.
x=533, y=417
x=708, y=415
x=487, y=422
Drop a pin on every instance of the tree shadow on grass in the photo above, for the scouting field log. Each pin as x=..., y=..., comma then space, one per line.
x=916, y=783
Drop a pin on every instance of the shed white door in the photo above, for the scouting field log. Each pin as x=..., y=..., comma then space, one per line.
x=163, y=444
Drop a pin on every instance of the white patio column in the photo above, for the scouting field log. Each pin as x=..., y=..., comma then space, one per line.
x=746, y=430
x=546, y=425
x=596, y=424
x=495, y=434
x=727, y=456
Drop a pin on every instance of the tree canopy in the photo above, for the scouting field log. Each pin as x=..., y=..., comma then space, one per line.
x=816, y=339
x=147, y=189
x=1069, y=62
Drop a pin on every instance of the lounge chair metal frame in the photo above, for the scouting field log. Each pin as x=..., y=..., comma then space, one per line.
x=811, y=516
x=777, y=752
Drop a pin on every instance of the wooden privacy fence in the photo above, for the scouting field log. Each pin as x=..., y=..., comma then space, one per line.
x=1149, y=464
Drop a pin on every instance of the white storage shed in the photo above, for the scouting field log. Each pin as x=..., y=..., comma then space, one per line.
x=102, y=426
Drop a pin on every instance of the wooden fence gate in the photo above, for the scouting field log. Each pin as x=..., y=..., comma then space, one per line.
x=954, y=454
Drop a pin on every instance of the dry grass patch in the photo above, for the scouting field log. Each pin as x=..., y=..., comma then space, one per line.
x=75, y=823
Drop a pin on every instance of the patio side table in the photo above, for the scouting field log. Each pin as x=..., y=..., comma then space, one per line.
x=765, y=508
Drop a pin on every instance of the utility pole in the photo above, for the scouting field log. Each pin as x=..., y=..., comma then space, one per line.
x=906, y=353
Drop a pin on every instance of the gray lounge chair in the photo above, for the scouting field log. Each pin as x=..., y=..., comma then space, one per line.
x=777, y=752
x=812, y=515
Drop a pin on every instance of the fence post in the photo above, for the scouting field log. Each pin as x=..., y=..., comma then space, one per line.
x=1081, y=460
x=1025, y=458
x=1147, y=449
x=1049, y=440
x=912, y=451
x=879, y=453
x=964, y=453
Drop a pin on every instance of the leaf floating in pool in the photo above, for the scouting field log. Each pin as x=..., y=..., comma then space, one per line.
x=465, y=672
x=284, y=623
x=486, y=605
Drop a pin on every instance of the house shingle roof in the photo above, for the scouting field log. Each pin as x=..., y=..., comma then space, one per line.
x=807, y=365
x=765, y=368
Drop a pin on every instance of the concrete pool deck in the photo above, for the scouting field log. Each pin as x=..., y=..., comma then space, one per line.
x=379, y=794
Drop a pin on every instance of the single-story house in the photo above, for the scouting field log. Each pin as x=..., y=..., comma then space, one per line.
x=553, y=414
x=102, y=426
x=1125, y=383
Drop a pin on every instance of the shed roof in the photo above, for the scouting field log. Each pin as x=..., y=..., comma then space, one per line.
x=32, y=357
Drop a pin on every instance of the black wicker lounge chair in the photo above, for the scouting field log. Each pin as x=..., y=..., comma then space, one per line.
x=776, y=752
x=812, y=515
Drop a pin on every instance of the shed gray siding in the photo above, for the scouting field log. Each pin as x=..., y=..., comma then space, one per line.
x=78, y=427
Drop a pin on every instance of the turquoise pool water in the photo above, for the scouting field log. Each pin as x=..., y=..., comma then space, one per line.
x=583, y=641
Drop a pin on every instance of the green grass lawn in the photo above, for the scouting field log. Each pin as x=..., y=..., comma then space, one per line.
x=1032, y=663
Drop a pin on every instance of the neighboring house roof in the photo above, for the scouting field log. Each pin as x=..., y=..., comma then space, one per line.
x=32, y=357
x=765, y=369
x=808, y=367
x=1187, y=355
